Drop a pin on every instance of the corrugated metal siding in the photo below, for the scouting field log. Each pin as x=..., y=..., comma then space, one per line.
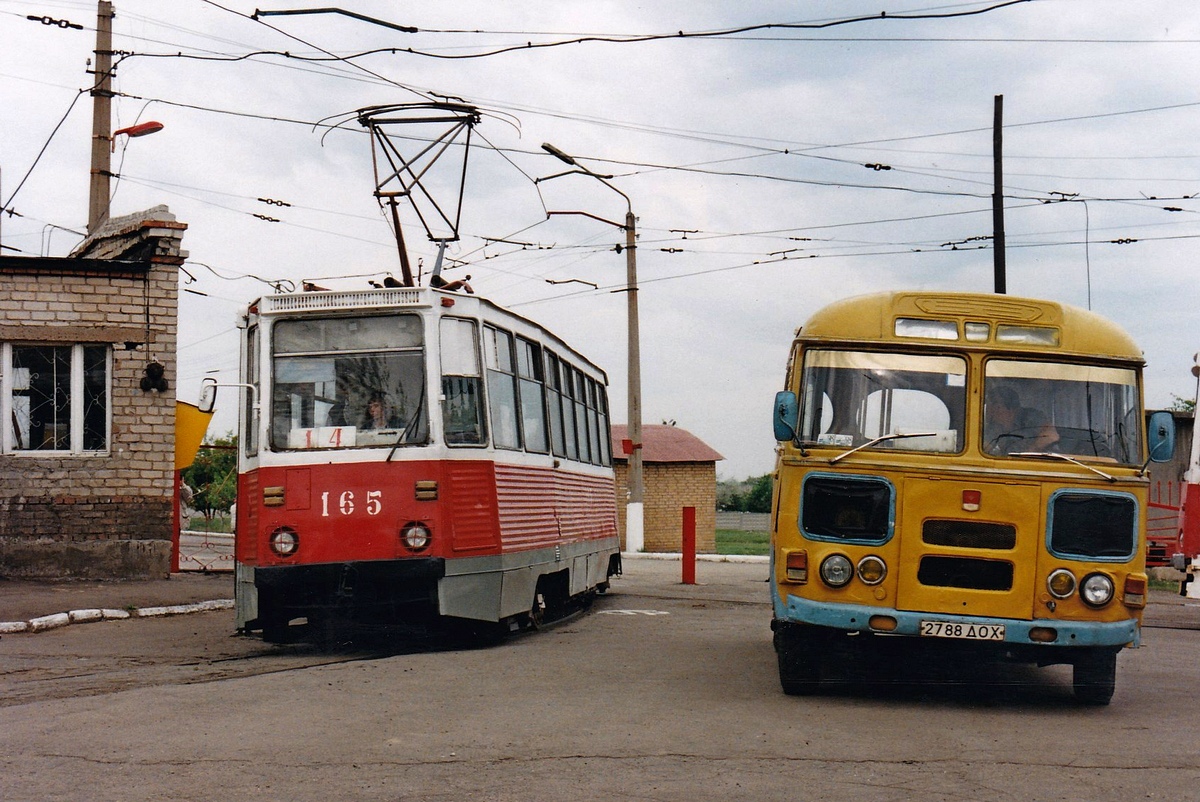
x=541, y=507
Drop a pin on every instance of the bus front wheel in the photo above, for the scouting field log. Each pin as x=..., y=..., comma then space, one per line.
x=799, y=662
x=1095, y=677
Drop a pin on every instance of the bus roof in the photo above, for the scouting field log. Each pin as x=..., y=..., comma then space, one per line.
x=1069, y=329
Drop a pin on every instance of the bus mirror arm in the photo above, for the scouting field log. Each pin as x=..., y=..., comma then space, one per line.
x=208, y=393
x=877, y=441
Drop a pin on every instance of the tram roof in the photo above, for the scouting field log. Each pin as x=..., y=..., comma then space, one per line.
x=873, y=318
x=374, y=301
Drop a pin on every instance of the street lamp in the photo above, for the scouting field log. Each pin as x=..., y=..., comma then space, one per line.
x=634, y=516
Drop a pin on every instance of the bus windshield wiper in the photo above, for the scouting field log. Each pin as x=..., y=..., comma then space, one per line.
x=877, y=441
x=1064, y=458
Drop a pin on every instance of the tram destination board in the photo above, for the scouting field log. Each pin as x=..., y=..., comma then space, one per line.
x=954, y=629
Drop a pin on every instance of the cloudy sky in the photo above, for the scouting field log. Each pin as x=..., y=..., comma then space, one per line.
x=800, y=153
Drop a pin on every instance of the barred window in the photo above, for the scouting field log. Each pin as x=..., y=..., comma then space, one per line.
x=55, y=398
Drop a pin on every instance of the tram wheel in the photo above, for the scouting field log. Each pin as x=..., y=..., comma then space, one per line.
x=799, y=663
x=1095, y=678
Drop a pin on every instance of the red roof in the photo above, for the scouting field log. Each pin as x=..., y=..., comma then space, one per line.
x=661, y=443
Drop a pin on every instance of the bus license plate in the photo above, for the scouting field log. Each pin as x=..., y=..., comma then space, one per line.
x=952, y=629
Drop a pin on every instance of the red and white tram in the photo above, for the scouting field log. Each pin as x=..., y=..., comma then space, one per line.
x=410, y=457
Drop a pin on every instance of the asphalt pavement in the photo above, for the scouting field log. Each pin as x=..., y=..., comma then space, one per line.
x=31, y=605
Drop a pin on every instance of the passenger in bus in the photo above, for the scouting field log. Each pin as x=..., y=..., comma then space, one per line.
x=1009, y=427
x=379, y=414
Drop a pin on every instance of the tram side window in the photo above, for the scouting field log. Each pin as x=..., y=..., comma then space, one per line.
x=593, y=414
x=569, y=430
x=581, y=420
x=554, y=398
x=602, y=413
x=462, y=404
x=502, y=388
x=533, y=395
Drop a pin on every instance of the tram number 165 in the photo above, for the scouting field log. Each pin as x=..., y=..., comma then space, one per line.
x=346, y=502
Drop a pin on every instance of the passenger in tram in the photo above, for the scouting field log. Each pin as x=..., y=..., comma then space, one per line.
x=379, y=414
x=1009, y=427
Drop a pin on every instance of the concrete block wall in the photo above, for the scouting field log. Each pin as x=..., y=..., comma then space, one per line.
x=106, y=515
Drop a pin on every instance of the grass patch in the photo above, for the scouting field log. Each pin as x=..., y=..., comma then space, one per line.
x=732, y=541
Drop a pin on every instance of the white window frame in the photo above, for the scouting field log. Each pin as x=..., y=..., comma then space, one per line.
x=7, y=441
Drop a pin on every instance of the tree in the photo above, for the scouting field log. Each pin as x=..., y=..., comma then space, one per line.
x=1180, y=404
x=213, y=476
x=759, y=497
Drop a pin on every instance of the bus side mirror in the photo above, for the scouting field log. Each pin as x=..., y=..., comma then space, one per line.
x=208, y=396
x=786, y=415
x=1161, y=436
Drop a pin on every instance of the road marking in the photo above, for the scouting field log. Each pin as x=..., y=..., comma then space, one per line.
x=632, y=612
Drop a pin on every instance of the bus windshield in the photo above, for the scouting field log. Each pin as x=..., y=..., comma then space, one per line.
x=850, y=398
x=348, y=382
x=1080, y=410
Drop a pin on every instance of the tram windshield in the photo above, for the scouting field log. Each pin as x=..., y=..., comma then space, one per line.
x=1085, y=411
x=349, y=382
x=851, y=398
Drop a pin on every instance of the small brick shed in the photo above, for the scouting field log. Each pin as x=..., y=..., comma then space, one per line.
x=679, y=470
x=87, y=404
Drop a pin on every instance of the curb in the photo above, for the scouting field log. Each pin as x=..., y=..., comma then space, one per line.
x=708, y=558
x=44, y=623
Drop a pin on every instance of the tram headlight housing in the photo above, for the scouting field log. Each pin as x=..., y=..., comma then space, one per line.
x=415, y=536
x=284, y=541
x=837, y=570
x=1096, y=590
x=1060, y=583
x=872, y=570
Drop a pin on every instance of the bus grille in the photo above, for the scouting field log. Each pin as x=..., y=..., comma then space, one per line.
x=965, y=572
x=969, y=534
x=1102, y=525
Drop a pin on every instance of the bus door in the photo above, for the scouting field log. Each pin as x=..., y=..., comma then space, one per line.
x=968, y=547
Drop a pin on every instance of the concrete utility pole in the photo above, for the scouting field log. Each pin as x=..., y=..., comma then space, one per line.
x=101, y=119
x=635, y=537
x=998, y=195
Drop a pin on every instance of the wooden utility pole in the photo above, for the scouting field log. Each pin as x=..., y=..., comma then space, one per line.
x=998, y=194
x=101, y=119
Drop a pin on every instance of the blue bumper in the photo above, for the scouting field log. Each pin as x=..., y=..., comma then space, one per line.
x=856, y=618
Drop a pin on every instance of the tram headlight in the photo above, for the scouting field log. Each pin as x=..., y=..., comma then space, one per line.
x=1061, y=583
x=415, y=535
x=285, y=541
x=837, y=570
x=871, y=570
x=1096, y=590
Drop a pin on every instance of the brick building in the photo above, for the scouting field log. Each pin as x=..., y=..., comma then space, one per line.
x=87, y=376
x=679, y=471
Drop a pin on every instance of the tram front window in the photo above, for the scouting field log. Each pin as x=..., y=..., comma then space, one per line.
x=349, y=383
x=850, y=398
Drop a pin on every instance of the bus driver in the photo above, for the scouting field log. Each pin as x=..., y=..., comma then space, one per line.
x=1009, y=427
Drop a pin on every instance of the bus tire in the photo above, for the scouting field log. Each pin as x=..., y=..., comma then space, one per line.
x=799, y=663
x=1095, y=678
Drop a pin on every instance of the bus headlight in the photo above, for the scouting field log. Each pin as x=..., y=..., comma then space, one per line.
x=285, y=541
x=1061, y=583
x=1096, y=590
x=415, y=535
x=837, y=570
x=871, y=570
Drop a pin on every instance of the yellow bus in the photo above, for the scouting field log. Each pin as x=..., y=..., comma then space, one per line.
x=962, y=471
